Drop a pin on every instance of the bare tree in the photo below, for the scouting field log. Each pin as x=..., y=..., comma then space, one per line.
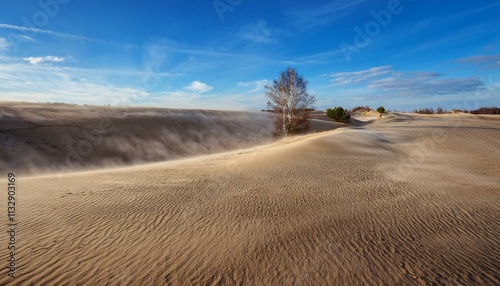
x=290, y=101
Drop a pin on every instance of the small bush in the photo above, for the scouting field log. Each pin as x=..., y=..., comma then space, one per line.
x=440, y=110
x=338, y=114
x=424, y=111
x=380, y=110
x=365, y=108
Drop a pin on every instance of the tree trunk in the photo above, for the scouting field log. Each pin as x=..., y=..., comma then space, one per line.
x=285, y=130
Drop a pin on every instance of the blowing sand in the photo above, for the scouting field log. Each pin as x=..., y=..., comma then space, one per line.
x=60, y=137
x=406, y=200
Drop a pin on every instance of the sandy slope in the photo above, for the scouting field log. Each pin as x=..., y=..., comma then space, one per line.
x=46, y=137
x=406, y=200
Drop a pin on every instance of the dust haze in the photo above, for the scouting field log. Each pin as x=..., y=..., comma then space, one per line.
x=53, y=137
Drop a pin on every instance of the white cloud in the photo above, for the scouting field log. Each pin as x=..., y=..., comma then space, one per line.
x=491, y=61
x=43, y=83
x=48, y=59
x=324, y=13
x=50, y=83
x=3, y=44
x=259, y=33
x=418, y=83
x=342, y=78
x=34, y=31
x=167, y=45
x=198, y=87
x=257, y=85
x=423, y=74
x=415, y=85
x=26, y=38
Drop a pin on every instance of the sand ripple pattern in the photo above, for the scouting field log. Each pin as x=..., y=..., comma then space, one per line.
x=345, y=207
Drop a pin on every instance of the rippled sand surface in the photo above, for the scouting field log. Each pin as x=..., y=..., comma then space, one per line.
x=403, y=200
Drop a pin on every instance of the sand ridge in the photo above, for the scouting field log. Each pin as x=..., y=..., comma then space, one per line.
x=57, y=137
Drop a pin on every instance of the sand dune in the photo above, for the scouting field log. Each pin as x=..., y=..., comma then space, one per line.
x=407, y=200
x=54, y=137
x=60, y=138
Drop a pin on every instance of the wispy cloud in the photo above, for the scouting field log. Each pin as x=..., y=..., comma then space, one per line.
x=163, y=44
x=257, y=85
x=420, y=74
x=319, y=15
x=41, y=83
x=489, y=61
x=198, y=87
x=44, y=83
x=259, y=33
x=26, y=38
x=424, y=85
x=343, y=78
x=417, y=83
x=3, y=44
x=29, y=33
x=46, y=59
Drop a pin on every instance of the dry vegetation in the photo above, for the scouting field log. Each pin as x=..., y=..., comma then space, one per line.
x=482, y=110
x=486, y=110
x=424, y=111
x=365, y=108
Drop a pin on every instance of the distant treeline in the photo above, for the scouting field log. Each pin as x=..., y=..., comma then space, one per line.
x=439, y=110
x=486, y=110
x=427, y=110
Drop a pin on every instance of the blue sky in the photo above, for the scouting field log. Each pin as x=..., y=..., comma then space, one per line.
x=219, y=54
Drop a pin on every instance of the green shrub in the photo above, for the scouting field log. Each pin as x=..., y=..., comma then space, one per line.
x=338, y=114
x=381, y=109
